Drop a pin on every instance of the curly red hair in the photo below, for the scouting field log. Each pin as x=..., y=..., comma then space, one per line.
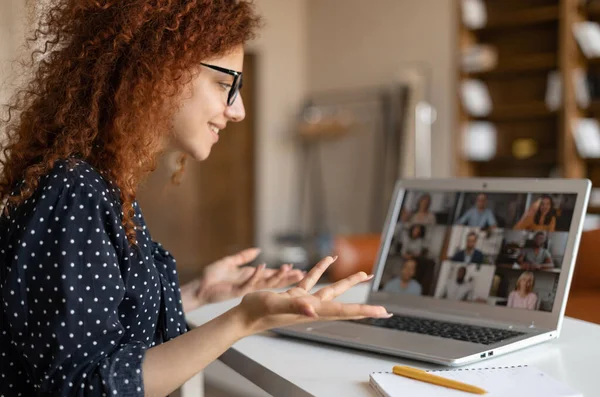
x=106, y=84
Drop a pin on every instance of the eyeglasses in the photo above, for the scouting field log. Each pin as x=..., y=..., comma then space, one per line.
x=236, y=86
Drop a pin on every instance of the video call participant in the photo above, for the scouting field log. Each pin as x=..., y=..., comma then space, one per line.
x=414, y=244
x=421, y=215
x=404, y=282
x=479, y=215
x=470, y=254
x=523, y=296
x=536, y=257
x=540, y=216
x=459, y=288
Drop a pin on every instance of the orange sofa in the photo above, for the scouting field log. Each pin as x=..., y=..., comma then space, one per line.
x=355, y=253
x=584, y=296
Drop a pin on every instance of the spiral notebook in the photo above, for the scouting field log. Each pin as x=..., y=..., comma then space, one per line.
x=514, y=381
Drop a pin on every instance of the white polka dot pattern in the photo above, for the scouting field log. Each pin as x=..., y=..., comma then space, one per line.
x=79, y=305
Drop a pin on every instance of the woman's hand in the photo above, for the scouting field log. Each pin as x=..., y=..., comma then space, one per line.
x=263, y=310
x=226, y=279
x=533, y=208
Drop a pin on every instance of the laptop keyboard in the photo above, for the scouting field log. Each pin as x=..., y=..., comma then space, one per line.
x=443, y=329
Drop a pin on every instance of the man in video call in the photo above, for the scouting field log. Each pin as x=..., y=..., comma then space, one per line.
x=536, y=257
x=404, y=283
x=479, y=215
x=470, y=254
x=459, y=289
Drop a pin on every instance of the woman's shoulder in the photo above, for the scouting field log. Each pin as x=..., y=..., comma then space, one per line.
x=77, y=177
x=73, y=170
x=70, y=181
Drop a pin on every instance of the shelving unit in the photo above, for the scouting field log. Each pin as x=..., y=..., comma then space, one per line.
x=532, y=38
x=527, y=63
x=525, y=16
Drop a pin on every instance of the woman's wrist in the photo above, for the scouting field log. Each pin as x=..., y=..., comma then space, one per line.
x=192, y=295
x=240, y=321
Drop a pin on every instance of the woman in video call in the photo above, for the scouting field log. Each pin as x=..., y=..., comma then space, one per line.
x=91, y=304
x=422, y=215
x=540, y=216
x=413, y=242
x=523, y=296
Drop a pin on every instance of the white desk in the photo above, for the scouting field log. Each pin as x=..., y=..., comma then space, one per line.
x=289, y=367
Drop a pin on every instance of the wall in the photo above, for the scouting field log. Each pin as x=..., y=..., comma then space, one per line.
x=12, y=33
x=282, y=62
x=357, y=43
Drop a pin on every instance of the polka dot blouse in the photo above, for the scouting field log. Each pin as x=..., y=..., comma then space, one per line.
x=79, y=306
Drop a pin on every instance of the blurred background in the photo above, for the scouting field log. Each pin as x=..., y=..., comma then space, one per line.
x=345, y=96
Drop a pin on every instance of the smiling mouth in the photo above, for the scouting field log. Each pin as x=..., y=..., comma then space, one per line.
x=215, y=131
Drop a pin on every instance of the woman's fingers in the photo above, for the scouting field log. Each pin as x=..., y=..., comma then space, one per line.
x=278, y=277
x=315, y=273
x=243, y=257
x=253, y=281
x=336, y=289
x=326, y=310
x=343, y=311
x=269, y=310
x=293, y=276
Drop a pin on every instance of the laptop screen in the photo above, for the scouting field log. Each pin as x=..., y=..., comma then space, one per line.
x=500, y=249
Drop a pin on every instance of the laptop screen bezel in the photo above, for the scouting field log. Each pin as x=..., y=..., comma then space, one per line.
x=518, y=317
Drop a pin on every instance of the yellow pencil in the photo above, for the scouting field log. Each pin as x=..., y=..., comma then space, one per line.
x=425, y=376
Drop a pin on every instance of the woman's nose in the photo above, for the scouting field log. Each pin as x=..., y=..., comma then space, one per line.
x=236, y=112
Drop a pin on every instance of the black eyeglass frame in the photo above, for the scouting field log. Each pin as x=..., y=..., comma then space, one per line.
x=237, y=84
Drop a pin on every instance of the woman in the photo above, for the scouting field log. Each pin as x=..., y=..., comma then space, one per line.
x=413, y=243
x=89, y=299
x=541, y=216
x=422, y=214
x=523, y=297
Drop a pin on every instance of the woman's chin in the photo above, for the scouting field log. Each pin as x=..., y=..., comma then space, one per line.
x=200, y=154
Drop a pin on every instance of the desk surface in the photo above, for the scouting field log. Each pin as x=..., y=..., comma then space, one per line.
x=288, y=367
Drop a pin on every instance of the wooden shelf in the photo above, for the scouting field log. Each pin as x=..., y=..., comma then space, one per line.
x=592, y=9
x=531, y=16
x=593, y=210
x=511, y=168
x=593, y=109
x=545, y=157
x=593, y=61
x=525, y=111
x=526, y=63
x=594, y=161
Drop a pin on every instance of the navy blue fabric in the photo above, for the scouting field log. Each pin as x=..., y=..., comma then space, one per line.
x=79, y=305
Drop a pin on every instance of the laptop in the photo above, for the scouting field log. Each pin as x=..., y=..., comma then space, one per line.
x=470, y=268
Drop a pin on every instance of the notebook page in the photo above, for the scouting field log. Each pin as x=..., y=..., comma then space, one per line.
x=497, y=381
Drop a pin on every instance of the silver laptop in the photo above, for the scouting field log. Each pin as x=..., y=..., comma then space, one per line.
x=471, y=269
